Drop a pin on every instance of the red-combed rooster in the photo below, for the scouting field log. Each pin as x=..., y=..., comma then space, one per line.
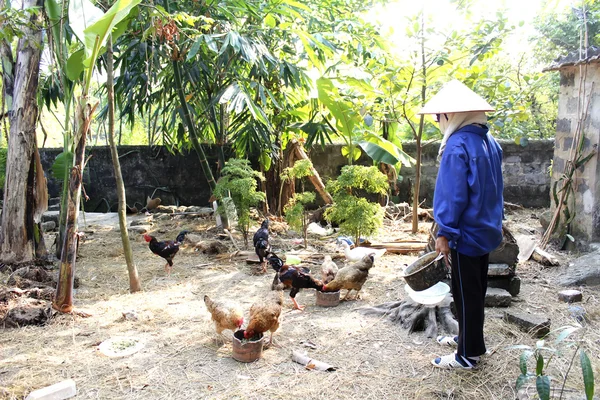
x=293, y=277
x=261, y=243
x=166, y=249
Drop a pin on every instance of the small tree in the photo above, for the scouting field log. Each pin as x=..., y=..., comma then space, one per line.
x=238, y=182
x=295, y=209
x=354, y=213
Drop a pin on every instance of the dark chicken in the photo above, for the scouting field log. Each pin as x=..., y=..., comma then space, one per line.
x=293, y=277
x=166, y=249
x=261, y=243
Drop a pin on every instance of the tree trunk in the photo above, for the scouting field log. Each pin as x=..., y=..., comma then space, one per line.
x=187, y=118
x=63, y=300
x=23, y=194
x=315, y=178
x=134, y=280
x=419, y=136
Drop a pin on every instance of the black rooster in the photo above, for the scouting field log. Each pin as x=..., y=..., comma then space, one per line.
x=166, y=249
x=261, y=243
x=294, y=277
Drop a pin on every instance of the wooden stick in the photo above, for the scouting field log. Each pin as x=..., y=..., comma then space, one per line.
x=544, y=258
x=310, y=363
x=315, y=178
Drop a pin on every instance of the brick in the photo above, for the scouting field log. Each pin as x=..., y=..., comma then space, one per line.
x=537, y=325
x=570, y=296
x=500, y=270
x=58, y=391
x=496, y=297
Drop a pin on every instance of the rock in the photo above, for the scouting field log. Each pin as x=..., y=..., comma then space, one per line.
x=512, y=284
x=48, y=226
x=496, y=297
x=58, y=391
x=570, y=296
x=54, y=201
x=537, y=325
x=141, y=222
x=165, y=209
x=28, y=277
x=140, y=229
x=55, y=207
x=500, y=270
x=51, y=216
x=201, y=211
x=584, y=270
x=579, y=313
x=130, y=315
x=29, y=312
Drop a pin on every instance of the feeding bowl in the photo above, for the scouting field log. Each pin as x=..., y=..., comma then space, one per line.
x=247, y=350
x=429, y=297
x=425, y=272
x=328, y=299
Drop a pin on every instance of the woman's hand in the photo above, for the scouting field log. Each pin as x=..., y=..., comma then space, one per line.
x=441, y=247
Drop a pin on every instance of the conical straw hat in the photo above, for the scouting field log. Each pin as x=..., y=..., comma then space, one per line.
x=455, y=97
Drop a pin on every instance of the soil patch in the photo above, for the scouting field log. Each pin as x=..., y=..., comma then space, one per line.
x=183, y=358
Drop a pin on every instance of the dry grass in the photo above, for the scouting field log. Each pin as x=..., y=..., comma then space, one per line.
x=184, y=360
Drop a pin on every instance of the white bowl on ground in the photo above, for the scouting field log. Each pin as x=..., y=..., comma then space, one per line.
x=429, y=297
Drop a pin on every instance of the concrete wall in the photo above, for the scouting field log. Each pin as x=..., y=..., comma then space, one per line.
x=178, y=179
x=586, y=224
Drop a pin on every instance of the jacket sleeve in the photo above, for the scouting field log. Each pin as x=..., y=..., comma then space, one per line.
x=451, y=192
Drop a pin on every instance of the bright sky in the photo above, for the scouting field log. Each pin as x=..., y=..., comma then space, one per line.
x=444, y=15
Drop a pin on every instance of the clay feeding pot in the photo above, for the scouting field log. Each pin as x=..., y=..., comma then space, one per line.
x=328, y=299
x=246, y=350
x=425, y=272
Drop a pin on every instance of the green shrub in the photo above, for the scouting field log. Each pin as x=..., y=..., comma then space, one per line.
x=239, y=182
x=355, y=214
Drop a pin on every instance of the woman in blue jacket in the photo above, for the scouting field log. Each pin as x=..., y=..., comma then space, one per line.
x=467, y=206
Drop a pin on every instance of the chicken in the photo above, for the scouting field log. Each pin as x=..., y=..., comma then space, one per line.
x=225, y=315
x=294, y=277
x=151, y=204
x=264, y=315
x=357, y=253
x=351, y=277
x=328, y=270
x=261, y=243
x=166, y=249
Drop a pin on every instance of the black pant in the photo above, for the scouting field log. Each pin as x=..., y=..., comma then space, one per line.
x=469, y=284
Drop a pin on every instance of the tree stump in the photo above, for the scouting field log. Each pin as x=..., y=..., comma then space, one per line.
x=417, y=317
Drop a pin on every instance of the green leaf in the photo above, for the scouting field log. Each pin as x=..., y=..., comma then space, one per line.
x=270, y=21
x=96, y=25
x=381, y=150
x=75, y=65
x=194, y=49
x=542, y=384
x=62, y=163
x=539, y=368
x=265, y=160
x=521, y=381
x=588, y=374
x=523, y=361
x=566, y=333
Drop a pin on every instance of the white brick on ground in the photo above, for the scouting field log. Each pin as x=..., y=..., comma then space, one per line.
x=58, y=391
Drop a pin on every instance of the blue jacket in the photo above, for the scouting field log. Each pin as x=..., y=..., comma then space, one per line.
x=468, y=202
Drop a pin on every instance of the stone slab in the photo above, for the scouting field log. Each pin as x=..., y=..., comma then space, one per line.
x=58, y=391
x=500, y=270
x=584, y=270
x=536, y=325
x=511, y=284
x=496, y=297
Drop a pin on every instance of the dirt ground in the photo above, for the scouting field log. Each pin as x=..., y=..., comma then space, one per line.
x=183, y=358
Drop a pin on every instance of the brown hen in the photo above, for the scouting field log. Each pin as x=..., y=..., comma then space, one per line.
x=264, y=315
x=224, y=314
x=352, y=277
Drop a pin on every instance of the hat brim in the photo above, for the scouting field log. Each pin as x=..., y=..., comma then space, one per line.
x=455, y=97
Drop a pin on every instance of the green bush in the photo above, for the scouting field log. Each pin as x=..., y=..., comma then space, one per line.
x=239, y=182
x=355, y=214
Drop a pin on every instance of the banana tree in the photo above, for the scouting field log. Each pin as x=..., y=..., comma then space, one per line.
x=93, y=28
